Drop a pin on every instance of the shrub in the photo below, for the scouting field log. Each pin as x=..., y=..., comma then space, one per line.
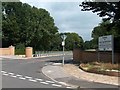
x=20, y=49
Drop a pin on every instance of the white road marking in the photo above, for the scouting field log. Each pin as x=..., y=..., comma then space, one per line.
x=56, y=85
x=28, y=77
x=18, y=75
x=32, y=80
x=11, y=73
x=49, y=81
x=22, y=78
x=44, y=83
x=5, y=74
x=38, y=79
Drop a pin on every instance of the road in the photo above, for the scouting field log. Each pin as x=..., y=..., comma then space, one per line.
x=27, y=73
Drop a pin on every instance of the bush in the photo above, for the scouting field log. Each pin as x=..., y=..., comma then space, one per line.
x=20, y=49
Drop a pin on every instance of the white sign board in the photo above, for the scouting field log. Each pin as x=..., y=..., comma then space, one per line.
x=106, y=43
x=63, y=43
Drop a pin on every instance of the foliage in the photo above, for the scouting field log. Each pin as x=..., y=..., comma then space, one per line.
x=103, y=9
x=23, y=26
x=92, y=44
x=73, y=40
x=20, y=49
x=27, y=25
x=110, y=11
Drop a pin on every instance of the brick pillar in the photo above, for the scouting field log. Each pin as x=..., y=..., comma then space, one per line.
x=12, y=50
x=77, y=55
x=28, y=52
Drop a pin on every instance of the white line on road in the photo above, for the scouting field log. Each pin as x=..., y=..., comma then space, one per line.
x=49, y=81
x=56, y=85
x=28, y=77
x=38, y=79
x=11, y=73
x=13, y=76
x=32, y=80
x=18, y=75
x=44, y=83
x=22, y=78
x=5, y=74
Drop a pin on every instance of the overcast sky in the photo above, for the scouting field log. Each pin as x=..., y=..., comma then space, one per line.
x=69, y=17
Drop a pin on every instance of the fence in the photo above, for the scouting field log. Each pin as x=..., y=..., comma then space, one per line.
x=50, y=53
x=91, y=56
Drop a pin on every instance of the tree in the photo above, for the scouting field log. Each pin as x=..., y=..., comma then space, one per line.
x=92, y=44
x=103, y=9
x=56, y=43
x=104, y=29
x=110, y=11
x=73, y=40
x=27, y=25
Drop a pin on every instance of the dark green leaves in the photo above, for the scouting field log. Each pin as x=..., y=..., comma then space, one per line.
x=27, y=25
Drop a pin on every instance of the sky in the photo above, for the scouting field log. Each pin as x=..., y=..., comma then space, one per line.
x=68, y=16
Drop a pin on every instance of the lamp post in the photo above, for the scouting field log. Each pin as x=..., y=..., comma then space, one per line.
x=63, y=44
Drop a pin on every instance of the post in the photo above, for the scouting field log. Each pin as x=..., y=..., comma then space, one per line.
x=63, y=57
x=112, y=49
x=63, y=44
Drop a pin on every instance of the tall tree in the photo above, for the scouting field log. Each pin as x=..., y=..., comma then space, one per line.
x=27, y=25
x=107, y=10
x=103, y=9
x=110, y=11
x=73, y=40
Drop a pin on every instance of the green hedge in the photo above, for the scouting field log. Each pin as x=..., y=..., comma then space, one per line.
x=19, y=51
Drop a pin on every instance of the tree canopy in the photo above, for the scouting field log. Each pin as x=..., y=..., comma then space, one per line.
x=24, y=25
x=28, y=25
x=110, y=12
x=103, y=9
x=73, y=40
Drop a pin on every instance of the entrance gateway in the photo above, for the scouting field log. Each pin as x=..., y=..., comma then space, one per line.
x=106, y=43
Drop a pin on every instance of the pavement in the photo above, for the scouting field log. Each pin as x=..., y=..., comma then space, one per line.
x=12, y=57
x=57, y=73
x=23, y=56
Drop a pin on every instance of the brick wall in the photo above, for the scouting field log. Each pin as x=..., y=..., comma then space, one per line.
x=7, y=51
x=90, y=56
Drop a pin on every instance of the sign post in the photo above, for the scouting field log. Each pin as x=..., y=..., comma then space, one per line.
x=106, y=43
x=112, y=50
x=63, y=44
